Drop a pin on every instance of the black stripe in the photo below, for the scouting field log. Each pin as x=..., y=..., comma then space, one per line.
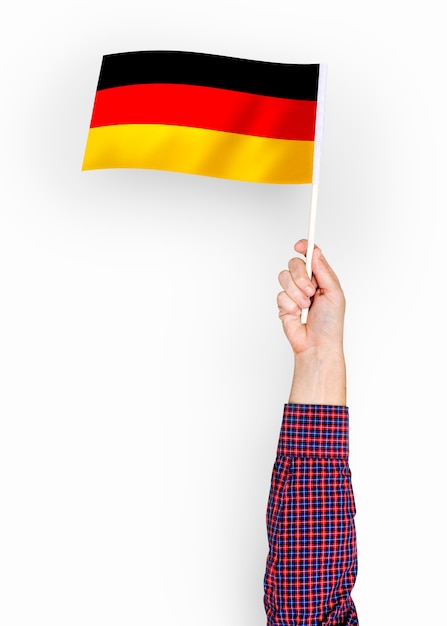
x=283, y=80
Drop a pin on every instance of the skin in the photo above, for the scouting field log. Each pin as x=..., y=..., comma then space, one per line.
x=319, y=365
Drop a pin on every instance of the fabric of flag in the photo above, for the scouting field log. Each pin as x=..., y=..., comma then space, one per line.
x=207, y=114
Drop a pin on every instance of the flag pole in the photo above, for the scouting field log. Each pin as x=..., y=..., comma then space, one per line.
x=322, y=78
x=310, y=241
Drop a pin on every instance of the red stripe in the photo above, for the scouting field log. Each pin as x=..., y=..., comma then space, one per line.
x=206, y=107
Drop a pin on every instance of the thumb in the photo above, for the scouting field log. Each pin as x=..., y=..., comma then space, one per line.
x=323, y=272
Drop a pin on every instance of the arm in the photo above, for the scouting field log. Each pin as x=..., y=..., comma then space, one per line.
x=312, y=561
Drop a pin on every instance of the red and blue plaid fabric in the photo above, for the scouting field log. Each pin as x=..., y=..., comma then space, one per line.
x=312, y=561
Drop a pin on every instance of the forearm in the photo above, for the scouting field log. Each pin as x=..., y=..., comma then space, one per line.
x=319, y=377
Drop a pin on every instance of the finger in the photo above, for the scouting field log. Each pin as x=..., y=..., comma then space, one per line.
x=298, y=271
x=301, y=246
x=321, y=270
x=297, y=285
x=297, y=268
x=289, y=311
x=286, y=305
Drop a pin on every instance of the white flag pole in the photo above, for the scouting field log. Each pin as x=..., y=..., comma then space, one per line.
x=321, y=96
x=310, y=241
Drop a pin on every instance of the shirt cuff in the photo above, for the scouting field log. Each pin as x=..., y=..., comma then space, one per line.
x=314, y=430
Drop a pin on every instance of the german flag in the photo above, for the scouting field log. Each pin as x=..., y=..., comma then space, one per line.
x=206, y=114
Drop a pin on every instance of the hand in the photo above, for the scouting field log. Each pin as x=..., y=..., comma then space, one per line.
x=323, y=294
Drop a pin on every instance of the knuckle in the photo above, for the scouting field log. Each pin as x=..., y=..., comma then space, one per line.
x=283, y=277
x=293, y=263
x=303, y=282
x=296, y=266
x=280, y=297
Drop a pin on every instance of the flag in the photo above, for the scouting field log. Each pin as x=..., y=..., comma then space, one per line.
x=206, y=114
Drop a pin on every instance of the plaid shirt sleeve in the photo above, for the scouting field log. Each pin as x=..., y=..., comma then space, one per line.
x=312, y=561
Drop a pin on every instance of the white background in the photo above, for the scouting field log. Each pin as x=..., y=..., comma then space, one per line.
x=142, y=365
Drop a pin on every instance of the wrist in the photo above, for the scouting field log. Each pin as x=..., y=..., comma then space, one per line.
x=319, y=376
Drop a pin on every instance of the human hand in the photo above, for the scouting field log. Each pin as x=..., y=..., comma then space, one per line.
x=323, y=294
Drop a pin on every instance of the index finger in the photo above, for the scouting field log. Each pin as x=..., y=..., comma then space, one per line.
x=324, y=274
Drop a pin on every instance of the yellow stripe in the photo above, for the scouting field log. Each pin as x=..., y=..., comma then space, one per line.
x=199, y=151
